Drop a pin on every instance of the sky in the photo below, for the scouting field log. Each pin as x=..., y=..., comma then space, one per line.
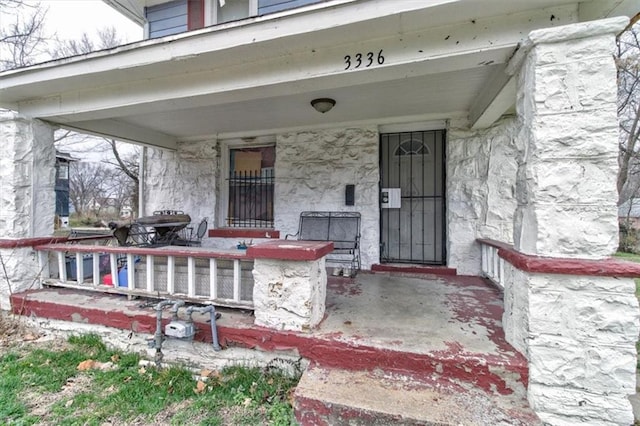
x=70, y=18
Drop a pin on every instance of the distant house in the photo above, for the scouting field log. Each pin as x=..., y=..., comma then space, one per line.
x=630, y=211
x=63, y=159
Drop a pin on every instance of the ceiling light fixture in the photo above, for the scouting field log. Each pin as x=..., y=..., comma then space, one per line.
x=323, y=104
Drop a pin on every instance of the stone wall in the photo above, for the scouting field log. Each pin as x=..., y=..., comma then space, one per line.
x=312, y=169
x=22, y=273
x=289, y=295
x=481, y=174
x=579, y=335
x=27, y=197
x=183, y=180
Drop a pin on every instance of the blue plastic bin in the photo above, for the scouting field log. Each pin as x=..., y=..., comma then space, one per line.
x=123, y=280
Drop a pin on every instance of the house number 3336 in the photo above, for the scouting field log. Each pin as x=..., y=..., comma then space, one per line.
x=363, y=60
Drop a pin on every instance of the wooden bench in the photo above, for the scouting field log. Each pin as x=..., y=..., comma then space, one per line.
x=341, y=228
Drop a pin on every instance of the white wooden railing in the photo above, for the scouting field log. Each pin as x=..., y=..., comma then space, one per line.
x=492, y=263
x=222, y=277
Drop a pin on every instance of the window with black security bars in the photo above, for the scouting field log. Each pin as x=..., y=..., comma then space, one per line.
x=251, y=186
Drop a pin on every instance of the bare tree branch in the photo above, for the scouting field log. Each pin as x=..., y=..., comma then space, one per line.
x=628, y=63
x=23, y=40
x=107, y=38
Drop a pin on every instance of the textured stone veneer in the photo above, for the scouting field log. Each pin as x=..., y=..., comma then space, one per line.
x=312, y=169
x=481, y=176
x=577, y=331
x=27, y=197
x=568, y=165
x=289, y=295
x=183, y=180
x=579, y=335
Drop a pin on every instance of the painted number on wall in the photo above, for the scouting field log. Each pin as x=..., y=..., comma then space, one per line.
x=364, y=60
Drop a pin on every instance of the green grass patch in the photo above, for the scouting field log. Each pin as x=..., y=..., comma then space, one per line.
x=631, y=257
x=628, y=256
x=45, y=386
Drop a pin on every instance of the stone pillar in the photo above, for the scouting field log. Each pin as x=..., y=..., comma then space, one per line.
x=27, y=196
x=290, y=284
x=566, y=184
x=578, y=331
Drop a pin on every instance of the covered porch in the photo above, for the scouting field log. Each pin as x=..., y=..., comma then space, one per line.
x=421, y=340
x=509, y=109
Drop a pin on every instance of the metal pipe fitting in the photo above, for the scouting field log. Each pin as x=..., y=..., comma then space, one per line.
x=214, y=329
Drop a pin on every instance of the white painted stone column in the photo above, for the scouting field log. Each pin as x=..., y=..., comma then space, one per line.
x=577, y=331
x=27, y=197
x=290, y=284
x=566, y=184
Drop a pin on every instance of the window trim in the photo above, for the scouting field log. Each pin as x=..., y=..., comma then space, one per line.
x=225, y=164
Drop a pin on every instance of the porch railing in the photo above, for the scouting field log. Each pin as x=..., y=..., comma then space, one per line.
x=222, y=277
x=492, y=264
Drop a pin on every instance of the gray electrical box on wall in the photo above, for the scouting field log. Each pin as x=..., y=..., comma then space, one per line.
x=350, y=195
x=390, y=198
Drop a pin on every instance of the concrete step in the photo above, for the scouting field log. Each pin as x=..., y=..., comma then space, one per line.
x=329, y=396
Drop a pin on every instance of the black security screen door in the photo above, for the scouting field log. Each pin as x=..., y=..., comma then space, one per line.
x=412, y=204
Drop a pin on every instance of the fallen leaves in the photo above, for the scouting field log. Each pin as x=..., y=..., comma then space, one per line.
x=200, y=387
x=30, y=337
x=206, y=380
x=91, y=364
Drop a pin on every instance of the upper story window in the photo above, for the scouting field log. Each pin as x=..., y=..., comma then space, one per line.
x=178, y=16
x=62, y=170
x=232, y=10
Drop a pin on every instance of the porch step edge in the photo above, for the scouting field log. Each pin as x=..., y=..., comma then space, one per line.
x=328, y=396
x=414, y=269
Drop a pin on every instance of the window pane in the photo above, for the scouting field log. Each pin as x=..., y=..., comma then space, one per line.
x=251, y=183
x=232, y=10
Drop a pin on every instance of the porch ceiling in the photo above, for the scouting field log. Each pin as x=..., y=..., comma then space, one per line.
x=441, y=59
x=425, y=95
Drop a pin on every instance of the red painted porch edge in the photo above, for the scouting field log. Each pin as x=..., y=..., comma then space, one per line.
x=290, y=250
x=8, y=243
x=325, y=350
x=414, y=269
x=244, y=233
x=565, y=266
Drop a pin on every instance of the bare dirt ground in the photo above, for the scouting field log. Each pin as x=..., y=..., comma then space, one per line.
x=14, y=332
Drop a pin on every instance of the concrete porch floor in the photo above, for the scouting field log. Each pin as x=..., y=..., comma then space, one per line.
x=406, y=337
